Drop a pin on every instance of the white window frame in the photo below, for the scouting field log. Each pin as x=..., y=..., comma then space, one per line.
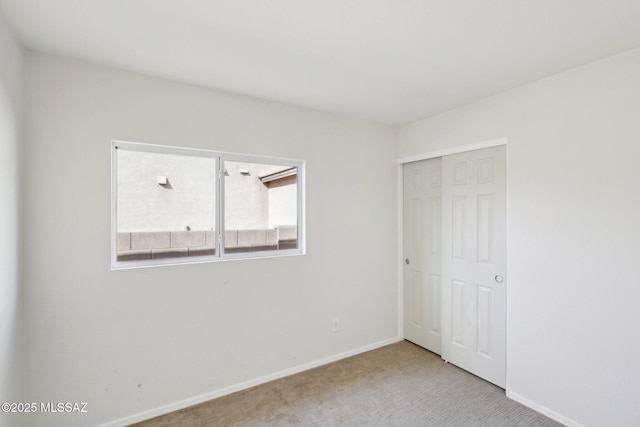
x=220, y=157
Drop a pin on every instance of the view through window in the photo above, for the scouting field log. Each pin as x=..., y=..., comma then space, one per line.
x=182, y=205
x=261, y=208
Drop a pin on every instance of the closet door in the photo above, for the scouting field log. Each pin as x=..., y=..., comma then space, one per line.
x=422, y=253
x=474, y=262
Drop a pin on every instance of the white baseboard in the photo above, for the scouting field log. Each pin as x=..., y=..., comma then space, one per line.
x=543, y=410
x=142, y=416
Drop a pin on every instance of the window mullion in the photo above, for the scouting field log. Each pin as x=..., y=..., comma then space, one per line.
x=220, y=207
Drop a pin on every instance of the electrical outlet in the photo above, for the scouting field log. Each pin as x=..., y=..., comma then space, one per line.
x=336, y=324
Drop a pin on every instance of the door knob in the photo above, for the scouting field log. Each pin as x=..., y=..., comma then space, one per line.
x=406, y=261
x=499, y=278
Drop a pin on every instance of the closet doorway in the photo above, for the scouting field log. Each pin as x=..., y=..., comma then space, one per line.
x=454, y=275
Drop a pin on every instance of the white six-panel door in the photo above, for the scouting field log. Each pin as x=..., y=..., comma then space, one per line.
x=455, y=259
x=422, y=252
x=474, y=262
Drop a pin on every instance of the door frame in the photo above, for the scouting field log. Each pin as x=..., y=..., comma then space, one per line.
x=400, y=215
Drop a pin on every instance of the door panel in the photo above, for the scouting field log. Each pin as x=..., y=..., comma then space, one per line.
x=422, y=248
x=474, y=264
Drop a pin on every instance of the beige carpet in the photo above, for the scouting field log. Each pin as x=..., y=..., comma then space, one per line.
x=397, y=385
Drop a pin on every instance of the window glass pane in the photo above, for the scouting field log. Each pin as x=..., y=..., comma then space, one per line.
x=166, y=205
x=260, y=207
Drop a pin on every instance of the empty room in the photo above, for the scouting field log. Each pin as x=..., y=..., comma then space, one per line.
x=319, y=213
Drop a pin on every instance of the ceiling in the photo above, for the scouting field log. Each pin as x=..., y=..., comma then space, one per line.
x=389, y=61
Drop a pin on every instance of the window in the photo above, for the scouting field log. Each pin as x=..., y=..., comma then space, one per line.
x=176, y=205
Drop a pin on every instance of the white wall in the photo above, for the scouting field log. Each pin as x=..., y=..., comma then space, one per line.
x=574, y=246
x=282, y=202
x=128, y=341
x=246, y=197
x=11, y=307
x=188, y=200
